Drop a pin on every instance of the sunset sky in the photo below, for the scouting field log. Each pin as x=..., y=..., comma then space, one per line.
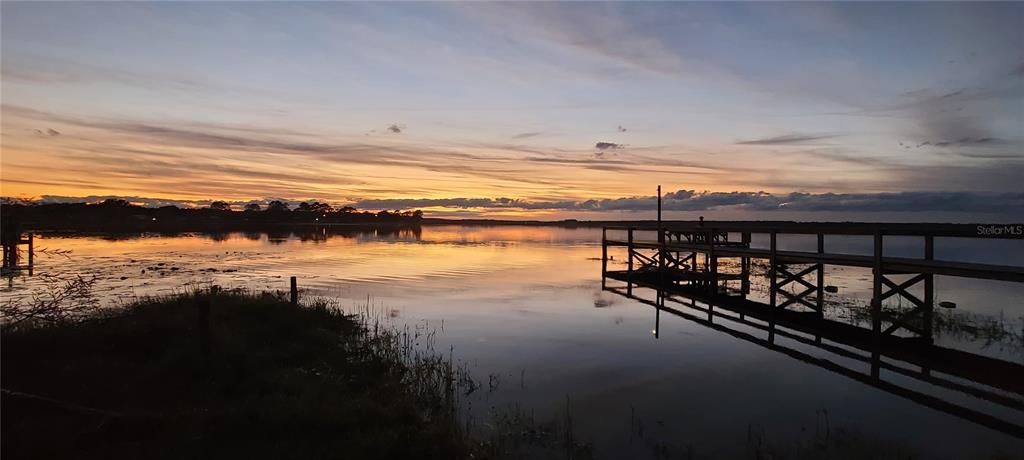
x=519, y=110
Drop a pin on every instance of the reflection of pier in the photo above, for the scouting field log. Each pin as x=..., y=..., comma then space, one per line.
x=681, y=265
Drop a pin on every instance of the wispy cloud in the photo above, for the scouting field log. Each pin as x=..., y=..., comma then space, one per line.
x=789, y=139
x=48, y=132
x=608, y=146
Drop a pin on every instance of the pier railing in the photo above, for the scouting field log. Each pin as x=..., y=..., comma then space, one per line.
x=687, y=255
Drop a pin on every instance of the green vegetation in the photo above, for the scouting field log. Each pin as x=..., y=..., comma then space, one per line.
x=270, y=380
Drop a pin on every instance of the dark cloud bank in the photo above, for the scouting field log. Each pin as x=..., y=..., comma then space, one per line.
x=690, y=200
x=789, y=139
x=682, y=200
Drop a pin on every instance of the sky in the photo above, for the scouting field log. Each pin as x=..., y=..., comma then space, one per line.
x=520, y=110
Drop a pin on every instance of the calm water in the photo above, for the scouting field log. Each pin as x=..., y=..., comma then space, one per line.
x=524, y=309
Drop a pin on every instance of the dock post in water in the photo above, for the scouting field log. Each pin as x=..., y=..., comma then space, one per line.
x=31, y=252
x=821, y=277
x=604, y=257
x=713, y=260
x=629, y=270
x=662, y=249
x=295, y=291
x=929, y=289
x=876, y=299
x=772, y=266
x=745, y=266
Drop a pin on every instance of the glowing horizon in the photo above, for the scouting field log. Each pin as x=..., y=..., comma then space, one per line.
x=535, y=103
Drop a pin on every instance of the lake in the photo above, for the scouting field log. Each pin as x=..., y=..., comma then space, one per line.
x=522, y=307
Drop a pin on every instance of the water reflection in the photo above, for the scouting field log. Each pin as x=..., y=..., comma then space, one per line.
x=525, y=303
x=277, y=234
x=994, y=381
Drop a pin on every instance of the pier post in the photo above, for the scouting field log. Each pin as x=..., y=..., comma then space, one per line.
x=657, y=313
x=294, y=291
x=629, y=268
x=604, y=257
x=876, y=299
x=662, y=248
x=31, y=252
x=821, y=276
x=745, y=266
x=714, y=262
x=929, y=289
x=771, y=267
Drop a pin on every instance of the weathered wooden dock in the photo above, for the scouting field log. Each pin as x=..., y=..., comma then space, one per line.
x=11, y=238
x=682, y=264
x=690, y=254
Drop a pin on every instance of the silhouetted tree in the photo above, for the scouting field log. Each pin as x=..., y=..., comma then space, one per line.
x=121, y=214
x=277, y=206
x=315, y=206
x=220, y=206
x=115, y=203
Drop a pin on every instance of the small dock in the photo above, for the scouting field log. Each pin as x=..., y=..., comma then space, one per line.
x=12, y=238
x=684, y=265
x=690, y=255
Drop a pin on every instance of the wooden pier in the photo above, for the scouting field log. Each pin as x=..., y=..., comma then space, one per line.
x=12, y=238
x=682, y=264
x=690, y=254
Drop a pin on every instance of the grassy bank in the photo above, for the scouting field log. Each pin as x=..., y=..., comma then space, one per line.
x=268, y=380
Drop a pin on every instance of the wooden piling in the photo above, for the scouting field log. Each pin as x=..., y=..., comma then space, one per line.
x=929, y=289
x=821, y=277
x=876, y=298
x=629, y=269
x=713, y=260
x=31, y=250
x=295, y=291
x=773, y=253
x=604, y=257
x=745, y=266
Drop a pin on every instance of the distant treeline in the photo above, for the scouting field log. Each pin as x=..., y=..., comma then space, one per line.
x=117, y=214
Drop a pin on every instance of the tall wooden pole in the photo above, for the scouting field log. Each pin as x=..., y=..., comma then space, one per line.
x=629, y=267
x=604, y=257
x=659, y=208
x=929, y=288
x=661, y=246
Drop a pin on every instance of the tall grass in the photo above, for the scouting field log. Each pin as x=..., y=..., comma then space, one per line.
x=275, y=381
